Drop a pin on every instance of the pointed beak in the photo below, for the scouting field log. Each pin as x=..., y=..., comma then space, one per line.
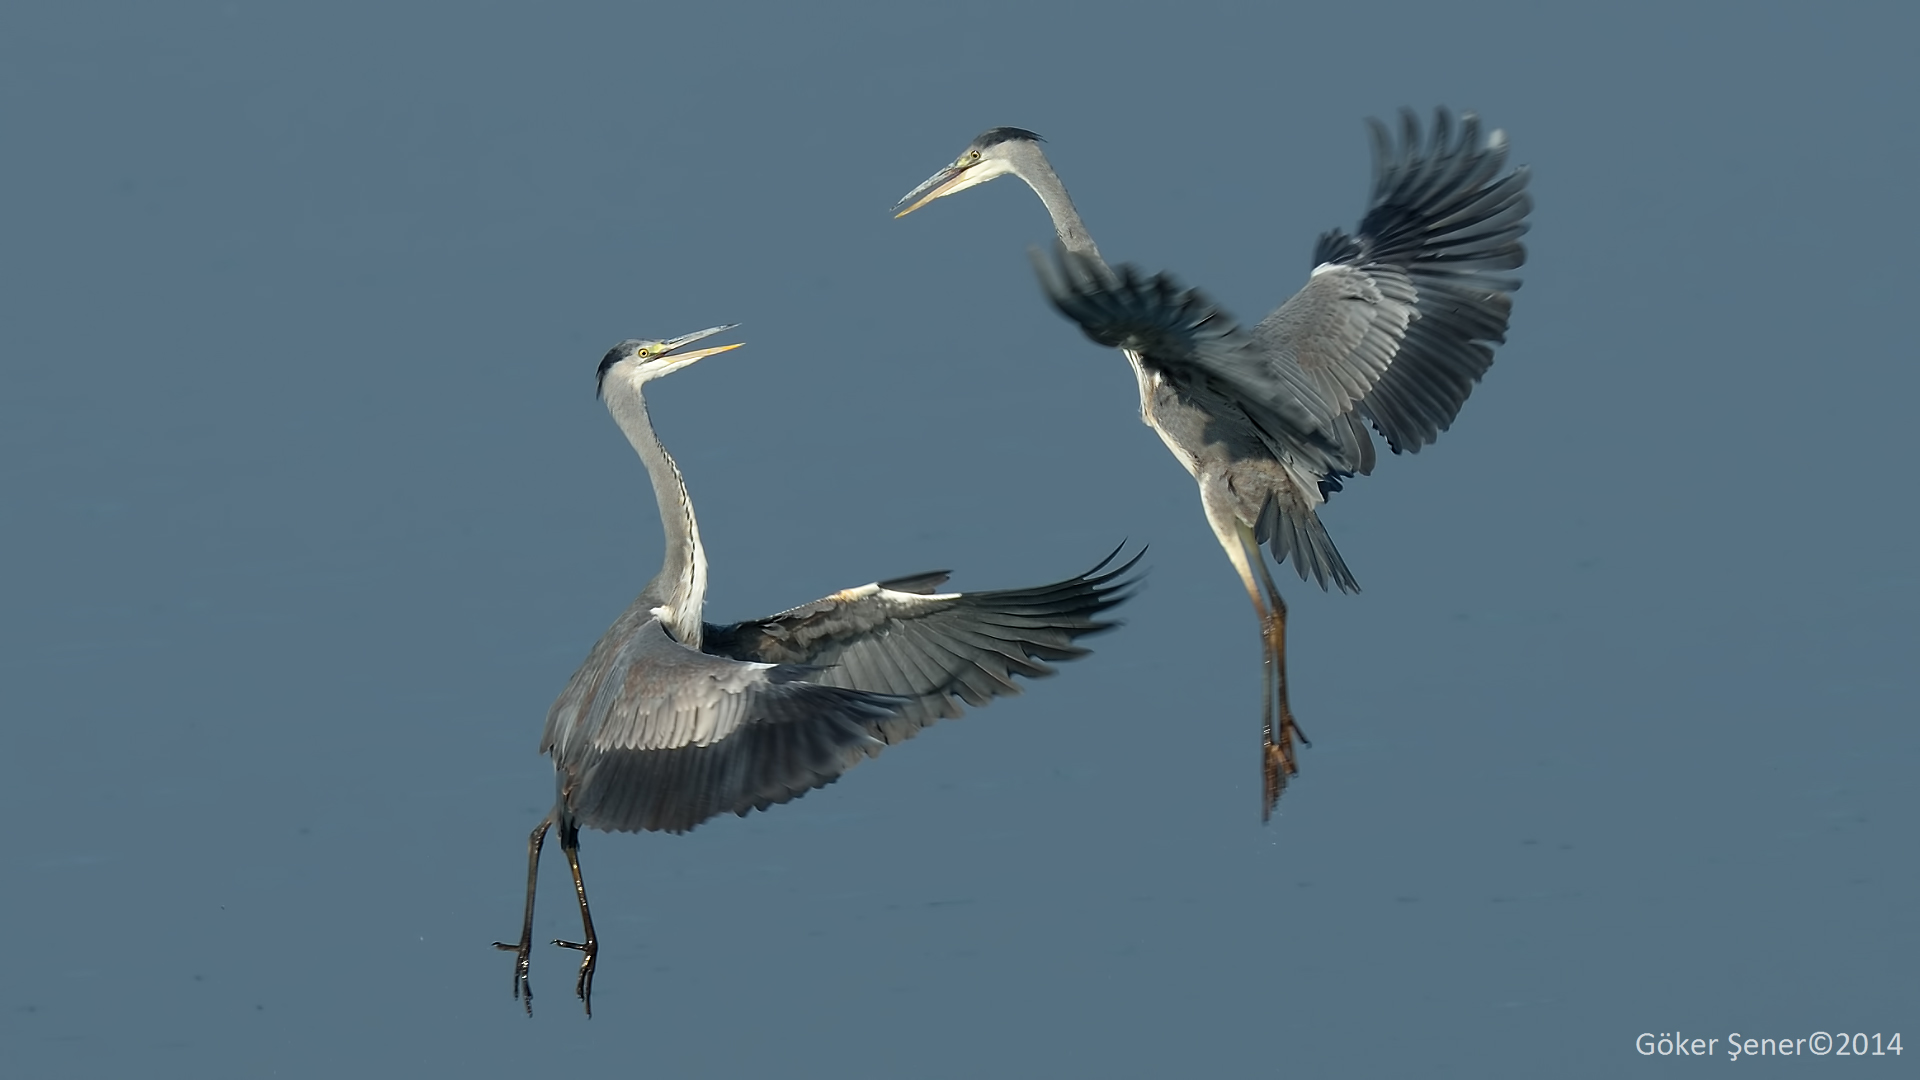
x=698, y=354
x=935, y=186
x=672, y=349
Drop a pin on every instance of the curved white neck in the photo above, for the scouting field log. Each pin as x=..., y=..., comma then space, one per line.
x=681, y=585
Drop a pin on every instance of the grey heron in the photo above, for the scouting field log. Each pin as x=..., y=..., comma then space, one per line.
x=1395, y=325
x=672, y=720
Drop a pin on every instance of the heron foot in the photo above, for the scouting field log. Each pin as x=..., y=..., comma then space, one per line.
x=583, y=987
x=1275, y=766
x=1278, y=760
x=522, y=989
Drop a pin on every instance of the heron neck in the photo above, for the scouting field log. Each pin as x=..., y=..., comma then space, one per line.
x=681, y=584
x=1038, y=172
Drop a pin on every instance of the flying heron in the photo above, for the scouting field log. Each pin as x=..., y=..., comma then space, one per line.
x=672, y=720
x=1393, y=328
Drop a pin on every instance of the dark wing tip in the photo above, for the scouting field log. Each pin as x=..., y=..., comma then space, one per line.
x=1447, y=213
x=922, y=584
x=1127, y=308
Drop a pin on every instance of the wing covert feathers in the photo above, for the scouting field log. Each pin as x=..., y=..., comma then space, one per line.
x=940, y=651
x=1445, y=222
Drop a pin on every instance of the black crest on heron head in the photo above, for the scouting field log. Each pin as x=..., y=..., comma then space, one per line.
x=996, y=136
x=614, y=355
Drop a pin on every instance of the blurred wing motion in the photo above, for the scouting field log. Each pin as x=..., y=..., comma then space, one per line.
x=650, y=734
x=899, y=637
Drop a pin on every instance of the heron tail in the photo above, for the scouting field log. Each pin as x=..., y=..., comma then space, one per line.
x=1299, y=536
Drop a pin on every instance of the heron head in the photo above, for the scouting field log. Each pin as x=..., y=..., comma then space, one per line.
x=641, y=359
x=992, y=153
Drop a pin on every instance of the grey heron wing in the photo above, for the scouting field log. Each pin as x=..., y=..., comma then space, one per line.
x=1340, y=331
x=1400, y=321
x=940, y=650
x=664, y=737
x=563, y=717
x=1193, y=342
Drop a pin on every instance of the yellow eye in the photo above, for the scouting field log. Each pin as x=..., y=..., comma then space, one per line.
x=643, y=351
x=973, y=155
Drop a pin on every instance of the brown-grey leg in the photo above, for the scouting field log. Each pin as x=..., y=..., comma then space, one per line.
x=520, y=984
x=590, y=947
x=1280, y=760
x=1276, y=721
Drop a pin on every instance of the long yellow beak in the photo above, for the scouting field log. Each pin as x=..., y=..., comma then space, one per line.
x=935, y=186
x=688, y=358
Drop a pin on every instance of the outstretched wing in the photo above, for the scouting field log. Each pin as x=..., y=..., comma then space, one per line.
x=936, y=649
x=1399, y=322
x=650, y=734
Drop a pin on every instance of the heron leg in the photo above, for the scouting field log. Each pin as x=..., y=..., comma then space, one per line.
x=590, y=946
x=1277, y=728
x=525, y=948
x=1278, y=642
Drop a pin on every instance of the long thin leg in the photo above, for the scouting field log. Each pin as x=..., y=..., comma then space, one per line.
x=525, y=948
x=1276, y=719
x=1289, y=729
x=589, y=948
x=1277, y=728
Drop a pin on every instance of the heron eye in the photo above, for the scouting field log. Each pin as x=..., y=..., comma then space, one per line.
x=973, y=155
x=643, y=351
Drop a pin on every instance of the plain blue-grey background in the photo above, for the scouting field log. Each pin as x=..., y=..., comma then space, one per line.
x=309, y=511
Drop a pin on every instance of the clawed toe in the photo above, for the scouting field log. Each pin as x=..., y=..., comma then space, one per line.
x=1279, y=761
x=522, y=989
x=583, y=987
x=1275, y=767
